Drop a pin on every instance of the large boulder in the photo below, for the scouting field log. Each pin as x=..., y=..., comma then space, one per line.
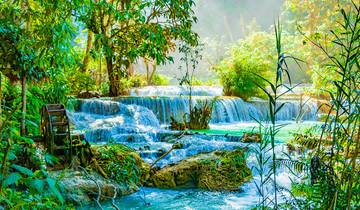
x=110, y=168
x=219, y=170
x=121, y=163
x=89, y=94
x=81, y=188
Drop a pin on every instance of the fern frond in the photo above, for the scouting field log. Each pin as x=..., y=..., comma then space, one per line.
x=293, y=165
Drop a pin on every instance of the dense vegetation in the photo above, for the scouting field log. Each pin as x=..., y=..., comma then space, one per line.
x=51, y=51
x=327, y=171
x=43, y=61
x=255, y=53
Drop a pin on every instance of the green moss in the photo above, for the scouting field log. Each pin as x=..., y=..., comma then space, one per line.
x=225, y=170
x=121, y=164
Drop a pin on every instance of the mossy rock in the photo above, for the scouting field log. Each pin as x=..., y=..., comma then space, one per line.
x=82, y=188
x=225, y=170
x=121, y=164
x=110, y=167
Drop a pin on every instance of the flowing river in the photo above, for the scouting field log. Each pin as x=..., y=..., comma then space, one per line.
x=140, y=122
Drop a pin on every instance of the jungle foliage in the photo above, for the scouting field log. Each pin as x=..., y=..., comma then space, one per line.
x=326, y=171
x=334, y=171
x=127, y=30
x=255, y=52
x=237, y=71
x=42, y=60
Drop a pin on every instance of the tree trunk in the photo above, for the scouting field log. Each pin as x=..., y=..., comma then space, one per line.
x=23, y=112
x=147, y=73
x=86, y=60
x=113, y=77
x=0, y=98
x=131, y=69
x=152, y=73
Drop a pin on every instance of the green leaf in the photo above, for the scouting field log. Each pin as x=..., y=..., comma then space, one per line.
x=53, y=188
x=13, y=178
x=37, y=184
x=50, y=159
x=22, y=170
x=11, y=156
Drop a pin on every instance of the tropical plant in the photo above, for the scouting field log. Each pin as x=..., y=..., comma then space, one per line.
x=198, y=116
x=327, y=170
x=334, y=168
x=262, y=162
x=26, y=57
x=22, y=170
x=273, y=96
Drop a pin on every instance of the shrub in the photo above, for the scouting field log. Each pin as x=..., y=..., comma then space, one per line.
x=196, y=81
x=104, y=88
x=126, y=83
x=238, y=70
x=56, y=90
x=160, y=79
x=198, y=118
x=121, y=164
x=80, y=81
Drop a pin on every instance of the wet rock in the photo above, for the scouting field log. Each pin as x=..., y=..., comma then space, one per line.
x=111, y=167
x=81, y=189
x=251, y=138
x=130, y=139
x=160, y=152
x=225, y=170
x=169, y=136
x=89, y=94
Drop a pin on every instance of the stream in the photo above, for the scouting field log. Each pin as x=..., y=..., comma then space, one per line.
x=140, y=121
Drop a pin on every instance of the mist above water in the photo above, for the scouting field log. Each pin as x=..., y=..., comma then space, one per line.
x=231, y=19
x=221, y=23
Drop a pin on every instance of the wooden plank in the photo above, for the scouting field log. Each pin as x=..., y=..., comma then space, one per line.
x=54, y=106
x=60, y=123
x=58, y=112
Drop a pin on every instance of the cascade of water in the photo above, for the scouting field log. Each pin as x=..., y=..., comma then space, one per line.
x=176, y=91
x=135, y=121
x=103, y=120
x=292, y=110
x=139, y=128
x=233, y=110
x=225, y=110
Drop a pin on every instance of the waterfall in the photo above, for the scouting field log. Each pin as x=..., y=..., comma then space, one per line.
x=225, y=110
x=291, y=110
x=105, y=120
x=176, y=91
x=136, y=122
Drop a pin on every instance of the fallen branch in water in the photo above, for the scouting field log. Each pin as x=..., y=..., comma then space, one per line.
x=177, y=145
x=98, y=186
x=99, y=168
x=113, y=199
